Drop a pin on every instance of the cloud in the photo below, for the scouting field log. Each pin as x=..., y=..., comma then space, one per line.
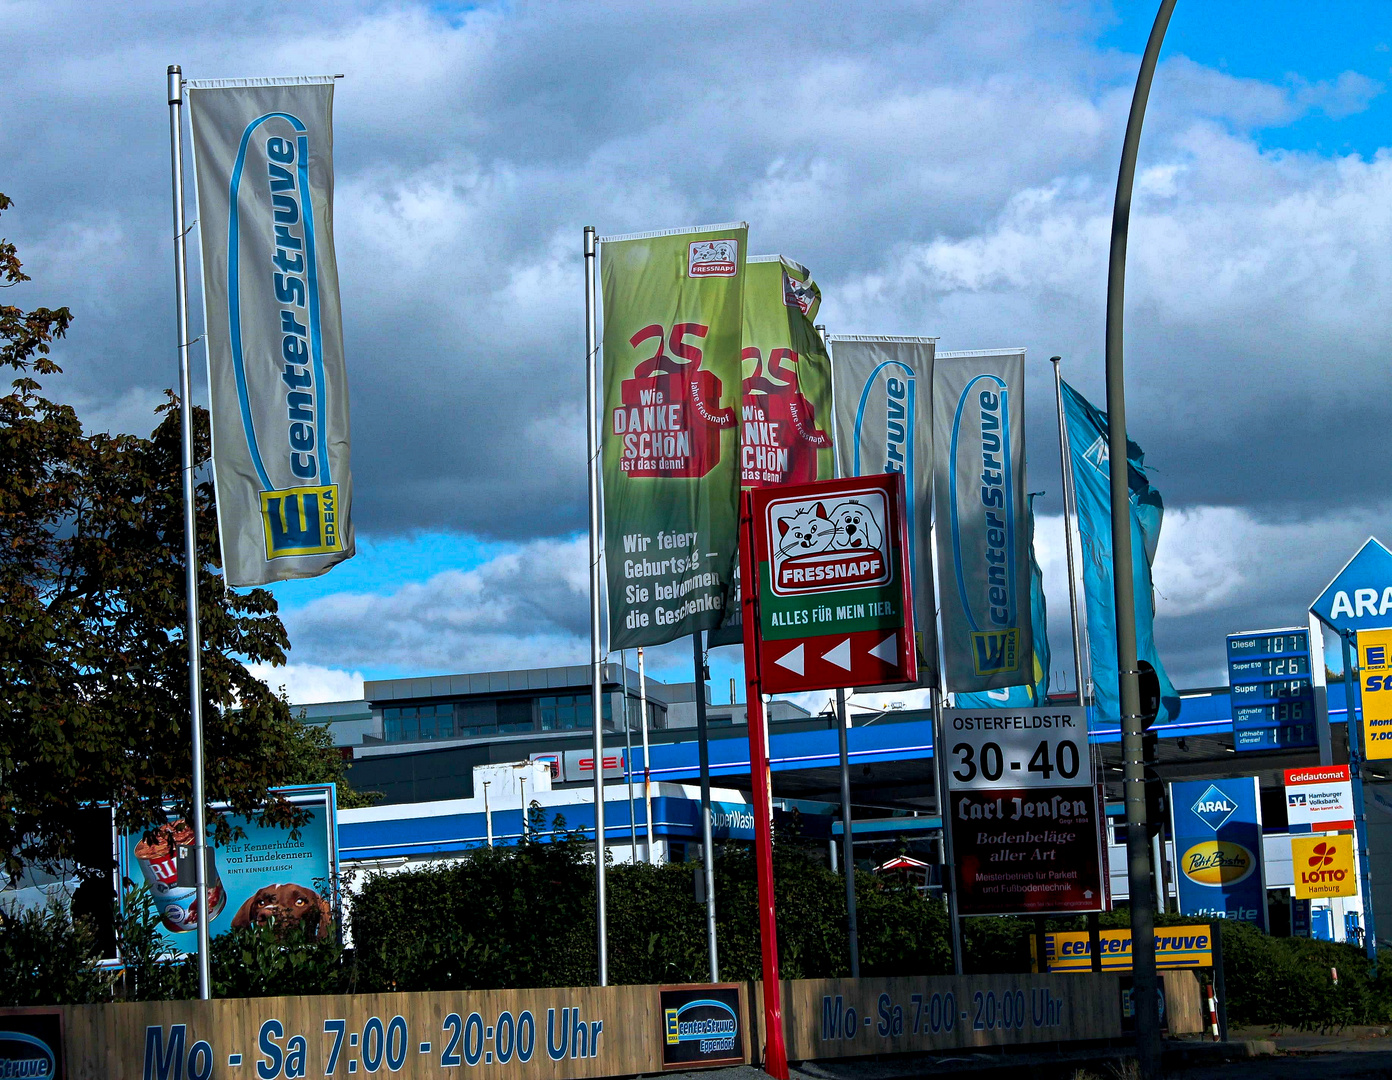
x=525, y=607
x=306, y=684
x=944, y=169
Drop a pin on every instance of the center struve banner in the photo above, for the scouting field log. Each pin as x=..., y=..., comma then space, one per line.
x=982, y=519
x=263, y=158
x=673, y=312
x=884, y=416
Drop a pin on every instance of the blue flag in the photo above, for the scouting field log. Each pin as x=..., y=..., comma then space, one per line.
x=1027, y=695
x=1087, y=443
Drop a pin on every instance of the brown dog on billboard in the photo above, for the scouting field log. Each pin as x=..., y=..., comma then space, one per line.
x=288, y=905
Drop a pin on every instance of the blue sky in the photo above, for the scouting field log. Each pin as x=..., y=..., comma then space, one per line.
x=944, y=168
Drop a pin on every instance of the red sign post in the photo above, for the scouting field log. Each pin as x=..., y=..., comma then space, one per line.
x=826, y=603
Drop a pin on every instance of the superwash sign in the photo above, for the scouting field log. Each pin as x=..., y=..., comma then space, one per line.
x=834, y=597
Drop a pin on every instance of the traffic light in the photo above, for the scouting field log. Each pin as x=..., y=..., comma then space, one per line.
x=1150, y=740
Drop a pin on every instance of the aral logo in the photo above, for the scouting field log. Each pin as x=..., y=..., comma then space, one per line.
x=827, y=545
x=1217, y=862
x=1214, y=808
x=712, y=258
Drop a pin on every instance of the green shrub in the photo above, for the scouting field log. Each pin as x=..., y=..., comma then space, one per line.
x=46, y=959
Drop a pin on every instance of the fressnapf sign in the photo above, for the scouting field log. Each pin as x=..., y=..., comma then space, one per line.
x=1319, y=798
x=835, y=605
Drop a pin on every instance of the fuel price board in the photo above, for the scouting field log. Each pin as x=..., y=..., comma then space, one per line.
x=1272, y=692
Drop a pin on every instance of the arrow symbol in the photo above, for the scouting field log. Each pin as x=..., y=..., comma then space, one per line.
x=888, y=650
x=792, y=661
x=840, y=656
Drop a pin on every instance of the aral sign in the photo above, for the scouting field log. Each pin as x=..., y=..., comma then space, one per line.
x=835, y=607
x=1217, y=832
x=1360, y=596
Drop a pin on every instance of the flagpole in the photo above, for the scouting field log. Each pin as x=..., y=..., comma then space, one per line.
x=596, y=667
x=843, y=750
x=939, y=694
x=200, y=825
x=1139, y=869
x=1065, y=460
x=707, y=843
x=628, y=762
x=647, y=766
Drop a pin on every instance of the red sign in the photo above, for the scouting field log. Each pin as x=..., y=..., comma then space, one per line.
x=835, y=607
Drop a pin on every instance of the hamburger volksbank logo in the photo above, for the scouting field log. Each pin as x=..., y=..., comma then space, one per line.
x=1213, y=808
x=286, y=437
x=984, y=523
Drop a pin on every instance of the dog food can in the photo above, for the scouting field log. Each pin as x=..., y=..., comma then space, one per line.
x=169, y=864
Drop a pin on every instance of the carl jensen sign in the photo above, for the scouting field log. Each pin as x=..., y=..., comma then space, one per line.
x=1023, y=807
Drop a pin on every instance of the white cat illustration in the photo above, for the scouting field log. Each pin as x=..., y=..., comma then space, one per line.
x=806, y=532
x=856, y=527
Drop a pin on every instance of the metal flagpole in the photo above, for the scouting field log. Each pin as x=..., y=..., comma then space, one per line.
x=596, y=668
x=1082, y=649
x=707, y=843
x=954, y=920
x=200, y=825
x=1065, y=462
x=843, y=748
x=647, y=765
x=628, y=762
x=1133, y=754
x=847, y=839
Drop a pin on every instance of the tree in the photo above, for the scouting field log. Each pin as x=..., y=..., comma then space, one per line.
x=94, y=694
x=316, y=760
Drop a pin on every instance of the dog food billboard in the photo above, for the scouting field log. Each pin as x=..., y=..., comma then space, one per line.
x=669, y=429
x=835, y=606
x=260, y=875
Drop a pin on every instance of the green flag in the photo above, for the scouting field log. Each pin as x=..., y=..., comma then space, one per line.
x=672, y=329
x=785, y=421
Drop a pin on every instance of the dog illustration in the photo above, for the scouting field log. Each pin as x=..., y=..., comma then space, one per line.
x=806, y=532
x=856, y=527
x=288, y=904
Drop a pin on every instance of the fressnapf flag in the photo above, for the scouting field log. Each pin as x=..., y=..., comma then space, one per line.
x=263, y=159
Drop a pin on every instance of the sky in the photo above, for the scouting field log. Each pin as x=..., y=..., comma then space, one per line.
x=944, y=168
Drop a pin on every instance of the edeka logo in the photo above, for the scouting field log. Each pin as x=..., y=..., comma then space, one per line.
x=301, y=521
x=1213, y=807
x=24, y=1055
x=995, y=650
x=1217, y=862
x=984, y=522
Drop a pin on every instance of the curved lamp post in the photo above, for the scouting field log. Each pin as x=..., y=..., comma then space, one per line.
x=1138, y=864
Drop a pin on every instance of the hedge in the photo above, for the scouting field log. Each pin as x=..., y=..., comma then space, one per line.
x=523, y=916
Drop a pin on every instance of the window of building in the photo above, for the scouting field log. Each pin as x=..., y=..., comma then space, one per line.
x=570, y=712
x=515, y=716
x=475, y=719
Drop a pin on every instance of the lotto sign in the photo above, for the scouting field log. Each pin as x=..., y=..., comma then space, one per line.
x=1323, y=866
x=1375, y=671
x=835, y=608
x=1319, y=798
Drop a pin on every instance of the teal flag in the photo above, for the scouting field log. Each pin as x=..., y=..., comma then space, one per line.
x=1028, y=695
x=1087, y=444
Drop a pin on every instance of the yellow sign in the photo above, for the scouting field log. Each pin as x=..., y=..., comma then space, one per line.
x=1175, y=947
x=1375, y=671
x=1323, y=866
x=1217, y=862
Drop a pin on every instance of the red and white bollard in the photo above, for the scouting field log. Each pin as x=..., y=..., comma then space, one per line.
x=1212, y=1012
